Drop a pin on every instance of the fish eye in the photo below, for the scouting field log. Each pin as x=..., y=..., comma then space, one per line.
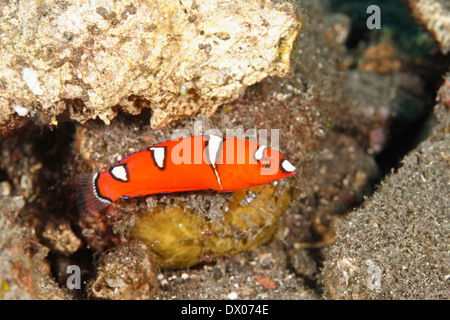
x=267, y=166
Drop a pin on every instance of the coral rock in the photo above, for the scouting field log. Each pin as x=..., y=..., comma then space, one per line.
x=435, y=14
x=183, y=57
x=126, y=272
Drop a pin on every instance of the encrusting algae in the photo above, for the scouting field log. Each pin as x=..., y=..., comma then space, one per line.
x=180, y=238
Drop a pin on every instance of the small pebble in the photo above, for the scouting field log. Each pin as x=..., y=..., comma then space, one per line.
x=19, y=202
x=184, y=276
x=21, y=111
x=115, y=283
x=164, y=282
x=5, y=188
x=232, y=296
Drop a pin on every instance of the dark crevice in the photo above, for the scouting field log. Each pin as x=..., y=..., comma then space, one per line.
x=3, y=175
x=402, y=141
x=311, y=282
x=421, y=57
x=59, y=262
x=55, y=203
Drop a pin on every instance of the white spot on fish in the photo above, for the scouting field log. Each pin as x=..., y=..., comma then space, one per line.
x=120, y=172
x=213, y=148
x=214, y=144
x=287, y=166
x=159, y=153
x=260, y=153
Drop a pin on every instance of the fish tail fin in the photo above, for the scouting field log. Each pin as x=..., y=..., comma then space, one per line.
x=88, y=200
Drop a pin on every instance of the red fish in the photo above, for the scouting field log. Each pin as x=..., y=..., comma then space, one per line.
x=194, y=163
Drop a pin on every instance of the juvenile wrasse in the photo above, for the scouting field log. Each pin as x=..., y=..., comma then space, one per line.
x=193, y=163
